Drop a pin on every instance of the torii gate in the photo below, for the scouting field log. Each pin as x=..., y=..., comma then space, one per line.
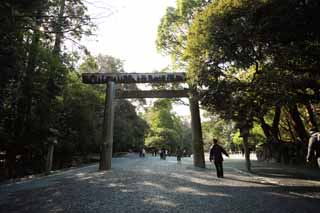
x=112, y=78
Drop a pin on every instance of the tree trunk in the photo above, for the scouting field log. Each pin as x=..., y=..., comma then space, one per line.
x=290, y=129
x=275, y=123
x=247, y=152
x=11, y=162
x=58, y=29
x=298, y=124
x=197, y=142
x=24, y=107
x=49, y=158
x=312, y=115
x=272, y=132
x=265, y=128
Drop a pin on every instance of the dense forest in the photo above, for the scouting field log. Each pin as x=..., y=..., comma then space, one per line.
x=43, y=101
x=254, y=63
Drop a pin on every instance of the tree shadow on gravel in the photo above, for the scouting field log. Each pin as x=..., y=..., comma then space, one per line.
x=191, y=190
x=251, y=181
x=285, y=174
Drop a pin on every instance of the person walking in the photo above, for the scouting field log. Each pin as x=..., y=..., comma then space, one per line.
x=143, y=152
x=314, y=146
x=162, y=154
x=216, y=155
x=179, y=154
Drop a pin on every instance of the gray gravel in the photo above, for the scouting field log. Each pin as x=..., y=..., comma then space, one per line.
x=151, y=185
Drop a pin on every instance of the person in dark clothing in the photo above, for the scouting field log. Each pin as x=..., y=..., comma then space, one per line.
x=179, y=154
x=314, y=146
x=216, y=155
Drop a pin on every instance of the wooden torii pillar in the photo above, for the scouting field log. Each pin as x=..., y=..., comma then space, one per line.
x=107, y=131
x=112, y=78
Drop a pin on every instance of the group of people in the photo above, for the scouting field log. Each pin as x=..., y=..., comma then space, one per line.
x=179, y=153
x=216, y=152
x=313, y=153
x=163, y=154
x=142, y=153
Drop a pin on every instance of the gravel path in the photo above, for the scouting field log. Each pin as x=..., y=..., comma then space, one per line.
x=152, y=185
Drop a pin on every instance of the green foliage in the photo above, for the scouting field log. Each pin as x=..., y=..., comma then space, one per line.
x=90, y=64
x=156, y=141
x=186, y=133
x=256, y=137
x=237, y=139
x=166, y=129
x=41, y=93
x=173, y=28
x=232, y=37
x=256, y=61
x=251, y=56
x=217, y=128
x=129, y=128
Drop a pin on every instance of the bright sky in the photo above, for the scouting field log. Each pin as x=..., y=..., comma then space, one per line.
x=127, y=29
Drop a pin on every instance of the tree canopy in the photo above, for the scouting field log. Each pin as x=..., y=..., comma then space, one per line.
x=254, y=62
x=42, y=98
x=167, y=130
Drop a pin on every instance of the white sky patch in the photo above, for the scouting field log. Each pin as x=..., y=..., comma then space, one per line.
x=127, y=30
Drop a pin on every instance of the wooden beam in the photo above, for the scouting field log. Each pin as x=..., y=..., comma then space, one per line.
x=197, y=140
x=120, y=94
x=129, y=78
x=107, y=131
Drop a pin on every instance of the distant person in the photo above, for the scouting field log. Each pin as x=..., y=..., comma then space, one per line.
x=216, y=155
x=142, y=152
x=184, y=153
x=179, y=154
x=162, y=154
x=314, y=146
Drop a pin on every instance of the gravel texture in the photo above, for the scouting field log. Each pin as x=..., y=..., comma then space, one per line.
x=152, y=185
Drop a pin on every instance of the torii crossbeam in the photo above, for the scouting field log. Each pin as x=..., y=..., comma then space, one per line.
x=113, y=78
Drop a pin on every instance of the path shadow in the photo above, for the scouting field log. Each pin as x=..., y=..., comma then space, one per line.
x=284, y=173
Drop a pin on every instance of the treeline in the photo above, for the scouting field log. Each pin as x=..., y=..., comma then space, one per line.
x=166, y=129
x=44, y=106
x=42, y=99
x=255, y=62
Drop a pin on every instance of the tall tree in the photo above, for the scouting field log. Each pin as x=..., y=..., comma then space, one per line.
x=252, y=57
x=34, y=72
x=173, y=29
x=165, y=127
